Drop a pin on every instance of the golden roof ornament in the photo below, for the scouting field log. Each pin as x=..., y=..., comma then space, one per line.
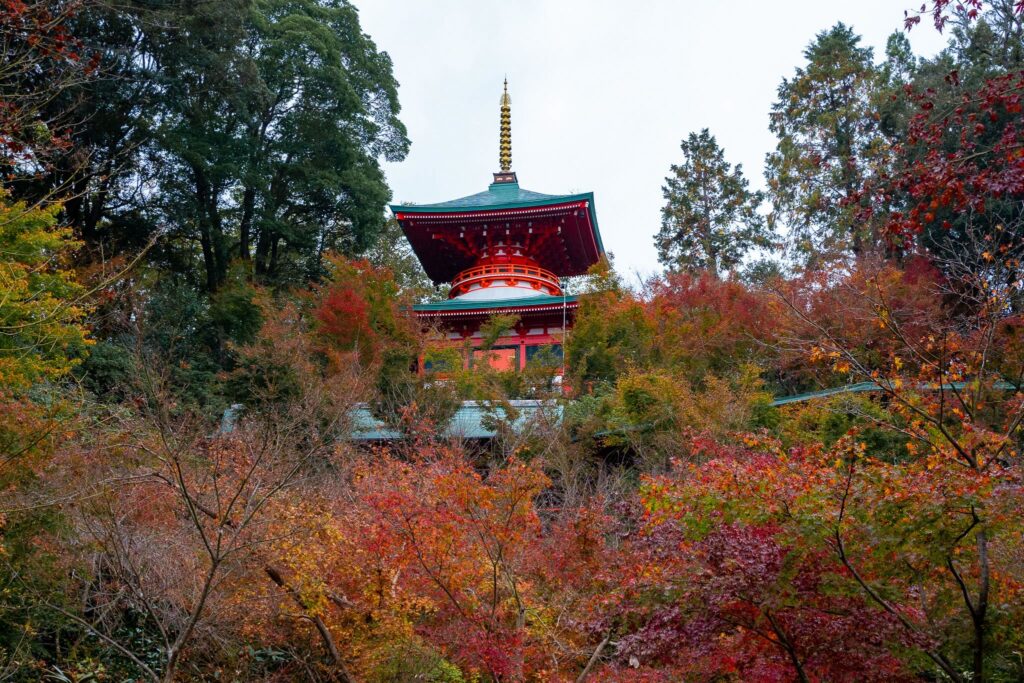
x=505, y=145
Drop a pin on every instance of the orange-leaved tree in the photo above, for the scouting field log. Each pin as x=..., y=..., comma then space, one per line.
x=939, y=353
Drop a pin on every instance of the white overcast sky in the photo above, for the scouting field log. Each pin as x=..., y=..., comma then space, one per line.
x=602, y=91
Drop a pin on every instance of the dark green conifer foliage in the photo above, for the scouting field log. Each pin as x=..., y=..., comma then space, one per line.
x=830, y=142
x=710, y=219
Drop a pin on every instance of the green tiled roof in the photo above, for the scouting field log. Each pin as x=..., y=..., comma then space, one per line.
x=875, y=386
x=469, y=421
x=464, y=305
x=577, y=248
x=470, y=418
x=497, y=196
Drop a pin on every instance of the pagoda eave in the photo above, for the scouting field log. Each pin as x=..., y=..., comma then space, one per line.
x=431, y=216
x=485, y=309
x=560, y=233
x=486, y=312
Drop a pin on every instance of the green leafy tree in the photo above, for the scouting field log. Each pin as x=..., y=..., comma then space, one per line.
x=829, y=143
x=323, y=112
x=111, y=143
x=256, y=128
x=710, y=219
x=249, y=134
x=41, y=331
x=611, y=332
x=276, y=115
x=391, y=250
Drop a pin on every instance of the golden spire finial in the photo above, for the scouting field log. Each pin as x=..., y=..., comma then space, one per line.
x=505, y=144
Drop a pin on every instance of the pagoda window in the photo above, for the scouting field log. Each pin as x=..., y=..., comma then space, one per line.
x=545, y=355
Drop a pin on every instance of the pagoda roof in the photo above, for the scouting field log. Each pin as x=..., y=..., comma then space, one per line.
x=497, y=196
x=450, y=236
x=541, y=302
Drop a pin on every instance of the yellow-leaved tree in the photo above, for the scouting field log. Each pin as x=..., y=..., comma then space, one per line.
x=41, y=332
x=42, y=335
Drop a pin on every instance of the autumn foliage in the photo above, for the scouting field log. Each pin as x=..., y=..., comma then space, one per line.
x=793, y=474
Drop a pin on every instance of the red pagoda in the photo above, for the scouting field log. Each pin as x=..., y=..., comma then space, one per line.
x=504, y=251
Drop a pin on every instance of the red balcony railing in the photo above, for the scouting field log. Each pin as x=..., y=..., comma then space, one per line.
x=511, y=273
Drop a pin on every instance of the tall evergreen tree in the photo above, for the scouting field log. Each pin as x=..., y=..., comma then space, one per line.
x=326, y=113
x=246, y=130
x=248, y=133
x=710, y=219
x=274, y=144
x=989, y=42
x=108, y=182
x=829, y=143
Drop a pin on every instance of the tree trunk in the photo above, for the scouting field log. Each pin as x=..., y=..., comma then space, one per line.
x=95, y=207
x=594, y=658
x=712, y=258
x=245, y=225
x=325, y=634
x=209, y=263
x=274, y=242
x=979, y=613
x=211, y=236
x=262, y=253
x=790, y=651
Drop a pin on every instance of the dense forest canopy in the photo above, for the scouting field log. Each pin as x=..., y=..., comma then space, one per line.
x=201, y=293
